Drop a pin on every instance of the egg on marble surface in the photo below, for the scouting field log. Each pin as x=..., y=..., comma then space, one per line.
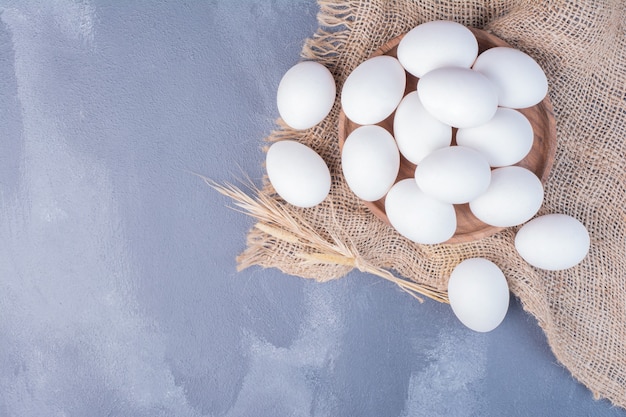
x=297, y=173
x=518, y=78
x=417, y=216
x=478, y=294
x=437, y=44
x=306, y=94
x=553, y=242
x=370, y=162
x=504, y=140
x=513, y=197
x=373, y=90
x=455, y=175
x=458, y=97
x=416, y=131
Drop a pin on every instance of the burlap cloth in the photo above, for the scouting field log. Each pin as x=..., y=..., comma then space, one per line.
x=581, y=45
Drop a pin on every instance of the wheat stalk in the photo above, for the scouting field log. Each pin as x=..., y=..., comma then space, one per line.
x=276, y=221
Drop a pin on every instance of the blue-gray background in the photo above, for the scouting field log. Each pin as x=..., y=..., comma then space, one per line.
x=118, y=289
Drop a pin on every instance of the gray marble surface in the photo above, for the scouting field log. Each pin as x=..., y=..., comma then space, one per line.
x=118, y=289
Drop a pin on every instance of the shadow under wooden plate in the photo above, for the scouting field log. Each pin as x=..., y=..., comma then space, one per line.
x=539, y=160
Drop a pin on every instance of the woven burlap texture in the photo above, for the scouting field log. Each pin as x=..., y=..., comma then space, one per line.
x=581, y=45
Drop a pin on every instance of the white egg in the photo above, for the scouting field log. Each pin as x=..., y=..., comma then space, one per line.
x=306, y=94
x=553, y=242
x=373, y=90
x=514, y=196
x=437, y=44
x=454, y=175
x=459, y=97
x=297, y=173
x=370, y=162
x=416, y=131
x=519, y=79
x=504, y=140
x=417, y=216
x=478, y=294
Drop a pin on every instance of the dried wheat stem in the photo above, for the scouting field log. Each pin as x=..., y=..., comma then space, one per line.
x=275, y=221
x=410, y=287
x=277, y=233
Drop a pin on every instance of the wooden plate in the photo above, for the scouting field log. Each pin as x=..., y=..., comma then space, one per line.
x=539, y=160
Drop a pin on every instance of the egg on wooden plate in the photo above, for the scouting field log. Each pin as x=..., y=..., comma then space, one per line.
x=455, y=174
x=518, y=78
x=459, y=97
x=417, y=216
x=370, y=162
x=437, y=44
x=504, y=140
x=513, y=197
x=373, y=90
x=416, y=131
